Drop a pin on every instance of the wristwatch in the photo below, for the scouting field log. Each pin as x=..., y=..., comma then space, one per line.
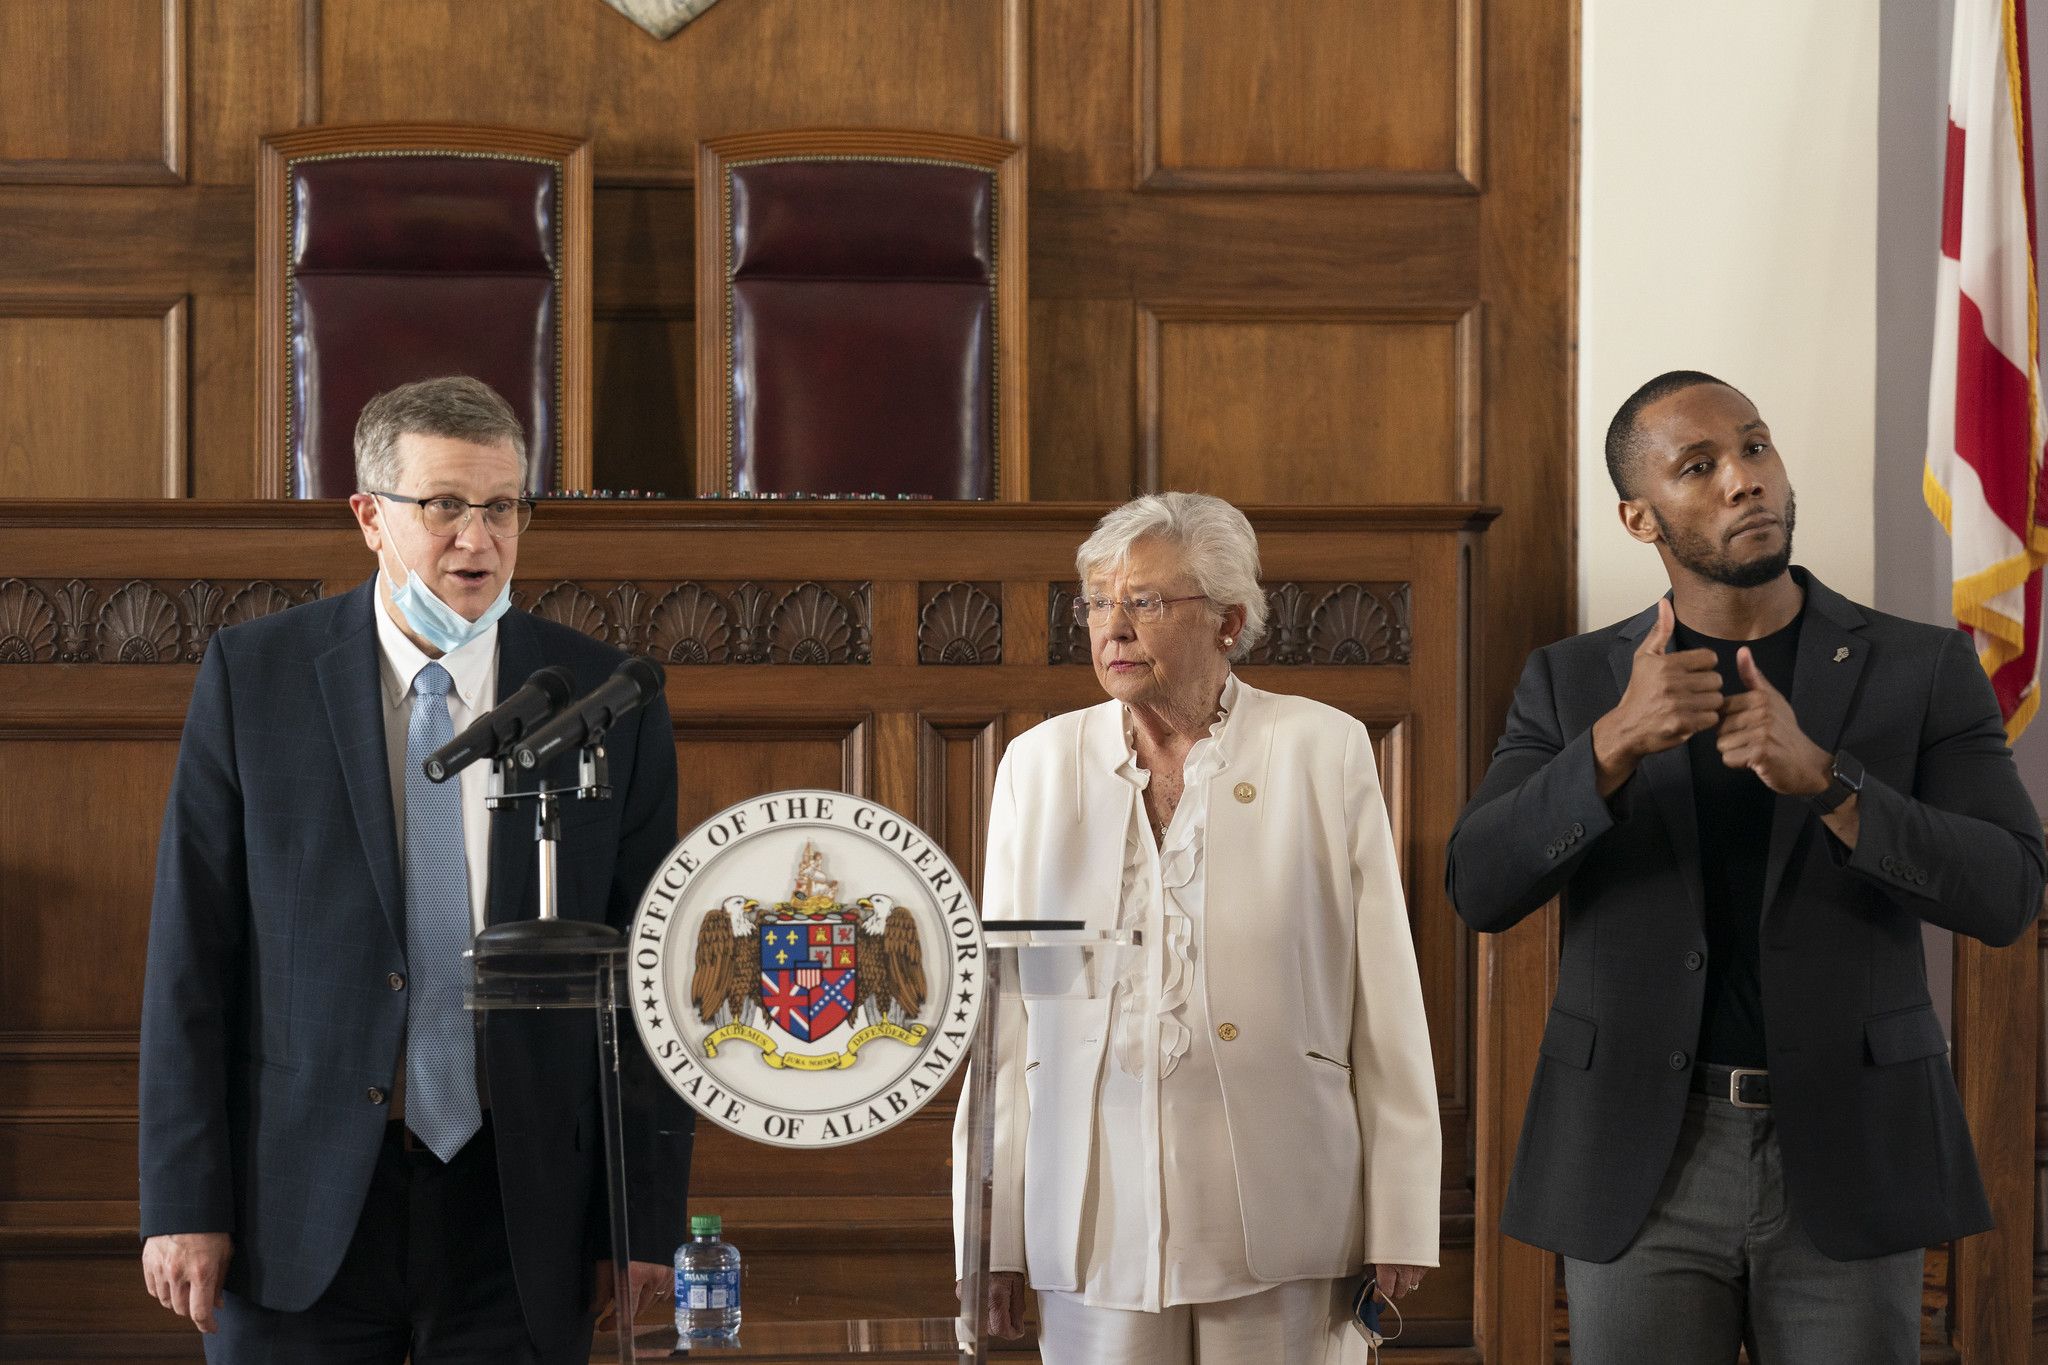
x=1845, y=779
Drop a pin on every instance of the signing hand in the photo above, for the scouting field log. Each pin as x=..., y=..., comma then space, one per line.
x=1397, y=1281
x=646, y=1281
x=1760, y=733
x=185, y=1272
x=1670, y=698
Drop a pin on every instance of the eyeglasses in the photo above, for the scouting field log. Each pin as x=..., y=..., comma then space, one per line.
x=504, y=518
x=1146, y=609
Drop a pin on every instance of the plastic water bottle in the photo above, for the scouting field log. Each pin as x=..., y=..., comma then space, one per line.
x=707, y=1283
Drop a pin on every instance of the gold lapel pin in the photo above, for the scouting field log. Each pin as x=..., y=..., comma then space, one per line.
x=1841, y=653
x=1244, y=792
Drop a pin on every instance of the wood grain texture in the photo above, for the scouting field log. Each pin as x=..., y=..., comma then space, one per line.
x=95, y=92
x=1991, y=1313
x=100, y=374
x=1268, y=97
x=584, y=70
x=1316, y=405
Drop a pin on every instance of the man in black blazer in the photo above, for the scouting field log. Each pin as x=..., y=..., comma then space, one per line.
x=339, y=1163
x=1743, y=1125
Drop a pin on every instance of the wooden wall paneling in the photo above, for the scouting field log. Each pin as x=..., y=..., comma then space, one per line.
x=92, y=396
x=1525, y=577
x=1992, y=1308
x=95, y=93
x=1083, y=375
x=246, y=77
x=1081, y=106
x=79, y=869
x=1326, y=405
x=1269, y=97
x=646, y=104
x=223, y=400
x=726, y=760
x=644, y=400
x=956, y=780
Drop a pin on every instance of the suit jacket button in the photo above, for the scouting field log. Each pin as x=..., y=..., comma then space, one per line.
x=1679, y=1061
x=1887, y=864
x=1920, y=877
x=1693, y=960
x=1227, y=1032
x=374, y=1095
x=1244, y=792
x=1578, y=831
x=1550, y=851
x=395, y=981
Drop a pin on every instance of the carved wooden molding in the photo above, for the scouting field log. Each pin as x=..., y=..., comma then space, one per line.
x=133, y=620
x=714, y=623
x=960, y=623
x=1341, y=625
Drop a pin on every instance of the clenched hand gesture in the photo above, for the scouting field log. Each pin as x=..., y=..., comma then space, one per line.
x=1670, y=698
x=1760, y=733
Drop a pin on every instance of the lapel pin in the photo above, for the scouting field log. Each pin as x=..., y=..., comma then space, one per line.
x=1841, y=653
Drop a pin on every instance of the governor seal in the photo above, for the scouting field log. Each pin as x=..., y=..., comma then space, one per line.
x=807, y=968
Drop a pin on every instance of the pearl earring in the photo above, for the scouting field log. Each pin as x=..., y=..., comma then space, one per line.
x=1229, y=640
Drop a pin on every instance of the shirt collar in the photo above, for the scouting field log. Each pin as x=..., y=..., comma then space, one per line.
x=1225, y=702
x=473, y=667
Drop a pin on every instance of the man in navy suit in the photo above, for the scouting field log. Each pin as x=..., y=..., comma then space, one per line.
x=339, y=1161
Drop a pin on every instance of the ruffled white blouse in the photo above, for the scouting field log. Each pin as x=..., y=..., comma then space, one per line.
x=1163, y=1224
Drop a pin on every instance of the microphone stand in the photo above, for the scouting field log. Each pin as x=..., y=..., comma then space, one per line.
x=553, y=963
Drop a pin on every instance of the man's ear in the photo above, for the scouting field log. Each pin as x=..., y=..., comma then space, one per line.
x=369, y=514
x=1639, y=521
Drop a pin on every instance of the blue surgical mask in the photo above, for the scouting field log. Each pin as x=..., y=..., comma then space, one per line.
x=433, y=620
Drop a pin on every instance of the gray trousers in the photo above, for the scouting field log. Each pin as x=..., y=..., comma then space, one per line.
x=1721, y=1263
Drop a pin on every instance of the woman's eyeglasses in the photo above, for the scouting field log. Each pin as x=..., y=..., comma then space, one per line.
x=1146, y=609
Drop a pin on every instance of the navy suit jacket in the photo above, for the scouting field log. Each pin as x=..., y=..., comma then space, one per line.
x=271, y=1030
x=1877, y=1155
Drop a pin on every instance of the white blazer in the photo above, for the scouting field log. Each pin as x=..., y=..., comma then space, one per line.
x=1310, y=975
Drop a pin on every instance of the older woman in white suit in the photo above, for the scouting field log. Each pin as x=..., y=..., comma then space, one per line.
x=1186, y=1169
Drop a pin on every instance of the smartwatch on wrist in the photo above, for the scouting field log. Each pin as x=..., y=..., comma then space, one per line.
x=1845, y=779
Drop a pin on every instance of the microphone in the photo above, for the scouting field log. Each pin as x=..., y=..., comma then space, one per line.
x=497, y=729
x=636, y=683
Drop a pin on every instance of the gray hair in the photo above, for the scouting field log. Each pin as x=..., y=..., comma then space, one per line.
x=454, y=406
x=1215, y=541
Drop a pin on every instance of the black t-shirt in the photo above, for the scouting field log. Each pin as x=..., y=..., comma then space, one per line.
x=1734, y=809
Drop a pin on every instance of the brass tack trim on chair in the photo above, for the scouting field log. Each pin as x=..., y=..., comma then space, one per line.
x=290, y=274
x=995, y=233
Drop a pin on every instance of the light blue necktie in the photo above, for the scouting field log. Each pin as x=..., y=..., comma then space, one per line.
x=440, y=1051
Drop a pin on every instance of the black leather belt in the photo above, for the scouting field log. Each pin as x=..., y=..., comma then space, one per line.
x=1742, y=1086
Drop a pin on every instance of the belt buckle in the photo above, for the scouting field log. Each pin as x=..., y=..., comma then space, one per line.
x=1735, y=1087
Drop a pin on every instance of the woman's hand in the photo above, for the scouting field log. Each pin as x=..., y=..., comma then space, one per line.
x=1003, y=1313
x=1397, y=1281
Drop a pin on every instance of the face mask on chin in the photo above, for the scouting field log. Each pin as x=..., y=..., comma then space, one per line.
x=433, y=620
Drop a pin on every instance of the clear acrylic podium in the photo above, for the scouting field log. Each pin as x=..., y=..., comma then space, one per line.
x=581, y=967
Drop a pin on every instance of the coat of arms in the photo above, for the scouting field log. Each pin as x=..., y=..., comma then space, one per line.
x=825, y=1014
x=807, y=967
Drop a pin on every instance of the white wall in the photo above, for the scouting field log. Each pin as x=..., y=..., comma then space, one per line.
x=1728, y=223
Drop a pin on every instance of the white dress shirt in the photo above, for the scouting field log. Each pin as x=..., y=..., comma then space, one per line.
x=474, y=668
x=1163, y=1224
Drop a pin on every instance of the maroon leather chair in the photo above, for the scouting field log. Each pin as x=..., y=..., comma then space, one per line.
x=389, y=253
x=860, y=314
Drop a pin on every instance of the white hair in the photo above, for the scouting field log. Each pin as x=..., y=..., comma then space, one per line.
x=1216, y=544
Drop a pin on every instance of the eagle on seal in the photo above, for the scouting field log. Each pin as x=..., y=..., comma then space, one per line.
x=726, y=982
x=892, y=982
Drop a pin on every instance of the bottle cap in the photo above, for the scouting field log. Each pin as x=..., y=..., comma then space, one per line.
x=706, y=1225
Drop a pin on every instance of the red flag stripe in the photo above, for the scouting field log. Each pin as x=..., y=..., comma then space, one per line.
x=1994, y=424
x=1952, y=196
